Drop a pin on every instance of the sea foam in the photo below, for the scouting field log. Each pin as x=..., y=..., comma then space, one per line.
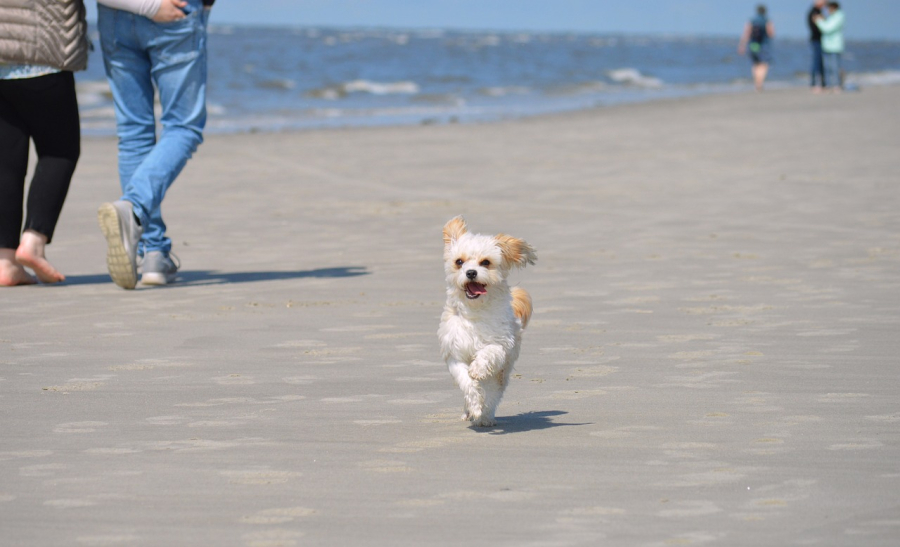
x=633, y=76
x=884, y=77
x=364, y=86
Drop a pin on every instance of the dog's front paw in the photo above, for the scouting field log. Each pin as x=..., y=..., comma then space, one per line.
x=467, y=416
x=478, y=371
x=484, y=422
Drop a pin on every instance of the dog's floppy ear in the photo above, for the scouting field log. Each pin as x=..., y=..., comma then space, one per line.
x=454, y=229
x=516, y=252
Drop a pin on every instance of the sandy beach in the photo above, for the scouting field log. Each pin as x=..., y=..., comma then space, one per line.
x=713, y=358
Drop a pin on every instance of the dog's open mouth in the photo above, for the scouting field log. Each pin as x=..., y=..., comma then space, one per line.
x=474, y=290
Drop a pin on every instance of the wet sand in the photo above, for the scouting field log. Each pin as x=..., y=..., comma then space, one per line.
x=712, y=359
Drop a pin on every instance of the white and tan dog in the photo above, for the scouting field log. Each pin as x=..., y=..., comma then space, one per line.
x=481, y=328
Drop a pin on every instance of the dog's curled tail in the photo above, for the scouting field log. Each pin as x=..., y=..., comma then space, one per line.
x=521, y=303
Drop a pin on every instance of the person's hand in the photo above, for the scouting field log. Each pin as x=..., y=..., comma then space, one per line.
x=169, y=11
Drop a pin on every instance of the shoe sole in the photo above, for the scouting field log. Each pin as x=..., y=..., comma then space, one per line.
x=121, y=269
x=155, y=278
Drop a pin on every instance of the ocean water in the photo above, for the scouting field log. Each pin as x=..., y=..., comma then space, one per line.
x=270, y=79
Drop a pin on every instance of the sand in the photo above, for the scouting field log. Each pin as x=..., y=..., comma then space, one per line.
x=712, y=360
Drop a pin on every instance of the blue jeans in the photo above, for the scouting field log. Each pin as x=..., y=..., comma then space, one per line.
x=833, y=69
x=138, y=55
x=817, y=66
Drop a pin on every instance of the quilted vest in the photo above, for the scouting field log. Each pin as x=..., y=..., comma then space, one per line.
x=44, y=32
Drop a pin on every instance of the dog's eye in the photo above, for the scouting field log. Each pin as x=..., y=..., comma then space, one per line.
x=485, y=263
x=459, y=263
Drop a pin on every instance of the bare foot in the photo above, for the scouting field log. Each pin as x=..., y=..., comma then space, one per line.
x=11, y=272
x=31, y=253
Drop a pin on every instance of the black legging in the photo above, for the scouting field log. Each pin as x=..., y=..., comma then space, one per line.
x=45, y=110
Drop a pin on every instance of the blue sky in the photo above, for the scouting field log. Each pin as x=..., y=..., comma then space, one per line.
x=867, y=19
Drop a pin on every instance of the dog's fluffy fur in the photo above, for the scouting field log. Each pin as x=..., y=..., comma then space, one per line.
x=481, y=328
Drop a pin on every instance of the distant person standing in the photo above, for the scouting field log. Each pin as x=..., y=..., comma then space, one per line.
x=832, y=28
x=757, y=40
x=817, y=66
x=161, y=46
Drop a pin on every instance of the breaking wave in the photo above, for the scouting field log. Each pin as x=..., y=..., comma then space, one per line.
x=633, y=76
x=340, y=91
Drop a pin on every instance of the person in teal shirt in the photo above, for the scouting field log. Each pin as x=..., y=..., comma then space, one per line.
x=832, y=28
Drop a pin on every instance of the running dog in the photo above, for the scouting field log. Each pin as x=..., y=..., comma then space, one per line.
x=481, y=327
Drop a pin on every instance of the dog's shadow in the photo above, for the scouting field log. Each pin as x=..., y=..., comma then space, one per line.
x=526, y=421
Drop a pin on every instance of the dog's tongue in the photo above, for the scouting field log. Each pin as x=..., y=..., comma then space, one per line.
x=476, y=288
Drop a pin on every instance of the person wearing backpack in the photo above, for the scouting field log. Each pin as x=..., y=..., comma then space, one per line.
x=817, y=66
x=757, y=42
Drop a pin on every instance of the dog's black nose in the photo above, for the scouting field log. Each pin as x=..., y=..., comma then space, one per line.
x=471, y=274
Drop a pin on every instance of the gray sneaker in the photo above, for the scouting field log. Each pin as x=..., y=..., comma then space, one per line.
x=159, y=268
x=122, y=233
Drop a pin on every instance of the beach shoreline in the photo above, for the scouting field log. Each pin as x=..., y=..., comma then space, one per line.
x=413, y=120
x=712, y=357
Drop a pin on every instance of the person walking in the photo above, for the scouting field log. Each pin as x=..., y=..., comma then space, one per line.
x=38, y=54
x=161, y=46
x=832, y=28
x=757, y=41
x=817, y=66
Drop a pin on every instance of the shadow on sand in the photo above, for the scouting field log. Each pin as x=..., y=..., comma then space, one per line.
x=193, y=278
x=527, y=421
